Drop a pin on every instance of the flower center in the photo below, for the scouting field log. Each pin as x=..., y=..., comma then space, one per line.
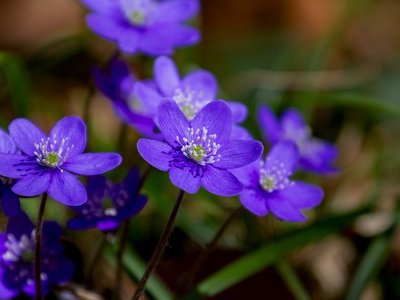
x=274, y=177
x=137, y=17
x=52, y=153
x=52, y=158
x=136, y=105
x=108, y=207
x=189, y=101
x=267, y=182
x=19, y=250
x=139, y=12
x=200, y=146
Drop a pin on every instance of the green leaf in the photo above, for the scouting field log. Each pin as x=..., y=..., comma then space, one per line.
x=136, y=268
x=292, y=281
x=370, y=264
x=17, y=81
x=273, y=252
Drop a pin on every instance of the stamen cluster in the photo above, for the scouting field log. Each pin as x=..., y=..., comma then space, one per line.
x=99, y=207
x=21, y=249
x=188, y=102
x=138, y=11
x=52, y=153
x=200, y=146
x=275, y=177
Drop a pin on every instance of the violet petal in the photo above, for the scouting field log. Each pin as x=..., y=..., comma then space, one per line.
x=92, y=163
x=221, y=182
x=67, y=189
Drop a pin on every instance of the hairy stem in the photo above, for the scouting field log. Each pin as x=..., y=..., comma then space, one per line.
x=160, y=247
x=87, y=103
x=124, y=240
x=96, y=257
x=211, y=247
x=121, y=143
x=38, y=246
x=120, y=256
x=92, y=89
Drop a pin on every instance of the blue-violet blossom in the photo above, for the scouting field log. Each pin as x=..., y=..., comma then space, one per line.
x=9, y=200
x=268, y=187
x=109, y=203
x=316, y=155
x=200, y=151
x=49, y=163
x=151, y=27
x=17, y=247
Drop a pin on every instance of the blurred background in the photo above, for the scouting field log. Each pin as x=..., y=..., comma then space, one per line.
x=337, y=61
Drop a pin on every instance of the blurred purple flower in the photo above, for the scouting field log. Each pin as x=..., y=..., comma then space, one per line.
x=9, y=200
x=315, y=155
x=268, y=187
x=117, y=84
x=17, y=258
x=46, y=163
x=200, y=151
x=109, y=204
x=151, y=27
x=136, y=103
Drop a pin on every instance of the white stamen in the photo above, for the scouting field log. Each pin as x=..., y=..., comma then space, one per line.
x=200, y=146
x=112, y=212
x=51, y=153
x=274, y=177
x=139, y=12
x=189, y=101
x=19, y=249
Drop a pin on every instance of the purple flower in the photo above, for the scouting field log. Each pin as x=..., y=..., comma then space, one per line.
x=109, y=203
x=144, y=26
x=200, y=151
x=17, y=246
x=268, y=187
x=117, y=84
x=48, y=164
x=191, y=93
x=315, y=155
x=9, y=200
x=136, y=103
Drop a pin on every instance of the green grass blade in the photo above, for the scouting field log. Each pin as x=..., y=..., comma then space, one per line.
x=273, y=252
x=292, y=281
x=136, y=268
x=370, y=265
